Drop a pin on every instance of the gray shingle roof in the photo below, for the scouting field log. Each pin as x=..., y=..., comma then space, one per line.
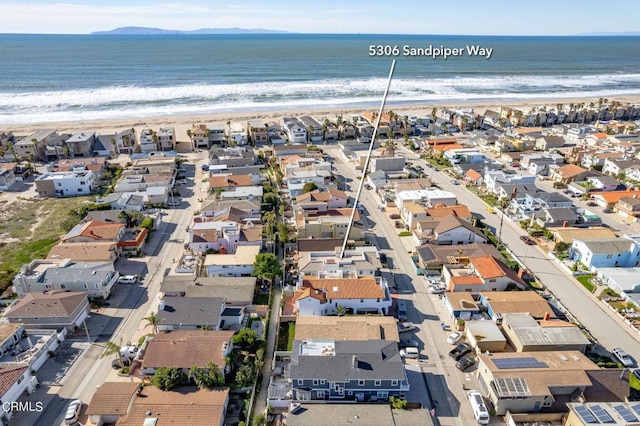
x=375, y=359
x=84, y=272
x=191, y=311
x=608, y=245
x=562, y=213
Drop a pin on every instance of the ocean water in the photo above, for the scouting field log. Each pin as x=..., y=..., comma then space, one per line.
x=82, y=77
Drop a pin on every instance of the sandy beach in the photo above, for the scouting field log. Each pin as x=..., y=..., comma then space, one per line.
x=184, y=122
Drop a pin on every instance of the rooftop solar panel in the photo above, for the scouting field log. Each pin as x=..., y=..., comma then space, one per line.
x=636, y=408
x=585, y=414
x=625, y=413
x=601, y=414
x=511, y=387
x=522, y=362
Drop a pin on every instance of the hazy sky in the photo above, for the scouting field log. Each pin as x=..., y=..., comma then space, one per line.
x=325, y=16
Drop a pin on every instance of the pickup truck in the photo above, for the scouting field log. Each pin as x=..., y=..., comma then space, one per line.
x=459, y=351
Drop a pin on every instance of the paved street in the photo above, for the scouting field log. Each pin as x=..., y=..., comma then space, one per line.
x=445, y=382
x=598, y=319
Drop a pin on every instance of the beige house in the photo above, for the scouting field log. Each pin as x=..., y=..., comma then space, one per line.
x=310, y=327
x=523, y=382
x=199, y=135
x=330, y=224
x=485, y=336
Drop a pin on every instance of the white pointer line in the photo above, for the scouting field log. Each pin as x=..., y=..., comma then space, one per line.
x=366, y=164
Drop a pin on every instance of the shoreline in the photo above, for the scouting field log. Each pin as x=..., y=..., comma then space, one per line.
x=182, y=122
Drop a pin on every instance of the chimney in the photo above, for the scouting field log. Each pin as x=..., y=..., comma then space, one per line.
x=635, y=195
x=355, y=361
x=565, y=224
x=546, y=316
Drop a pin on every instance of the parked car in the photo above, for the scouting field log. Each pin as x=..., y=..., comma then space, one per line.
x=182, y=181
x=527, y=240
x=592, y=204
x=607, y=211
x=491, y=210
x=454, y=181
x=383, y=258
x=459, y=351
x=173, y=203
x=636, y=373
x=73, y=412
x=465, y=362
x=454, y=338
x=404, y=327
x=127, y=279
x=394, y=216
x=403, y=343
x=398, y=224
x=437, y=289
x=623, y=357
x=410, y=352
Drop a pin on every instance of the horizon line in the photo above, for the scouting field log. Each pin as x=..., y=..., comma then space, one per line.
x=282, y=32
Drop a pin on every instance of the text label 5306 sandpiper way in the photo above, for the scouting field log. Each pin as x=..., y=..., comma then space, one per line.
x=431, y=51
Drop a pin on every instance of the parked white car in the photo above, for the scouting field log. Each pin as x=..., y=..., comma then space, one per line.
x=454, y=338
x=623, y=357
x=127, y=279
x=73, y=412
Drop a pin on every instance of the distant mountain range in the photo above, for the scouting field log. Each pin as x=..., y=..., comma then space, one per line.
x=625, y=33
x=160, y=31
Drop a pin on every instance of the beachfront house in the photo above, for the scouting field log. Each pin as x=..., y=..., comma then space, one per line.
x=166, y=139
x=33, y=146
x=199, y=135
x=148, y=140
x=81, y=144
x=258, y=131
x=294, y=129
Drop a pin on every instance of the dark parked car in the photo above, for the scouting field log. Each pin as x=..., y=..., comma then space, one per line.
x=383, y=258
x=607, y=211
x=459, y=351
x=465, y=362
x=395, y=216
x=404, y=343
x=527, y=240
x=592, y=204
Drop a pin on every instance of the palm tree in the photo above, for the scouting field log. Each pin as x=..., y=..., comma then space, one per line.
x=341, y=310
x=13, y=151
x=114, y=143
x=228, y=131
x=310, y=130
x=112, y=348
x=434, y=111
x=152, y=320
x=34, y=141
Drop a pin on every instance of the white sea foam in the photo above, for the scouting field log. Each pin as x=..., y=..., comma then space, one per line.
x=136, y=101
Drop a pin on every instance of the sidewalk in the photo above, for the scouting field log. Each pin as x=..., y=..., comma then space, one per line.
x=261, y=399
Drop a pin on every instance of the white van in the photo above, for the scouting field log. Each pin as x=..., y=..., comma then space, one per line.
x=478, y=408
x=410, y=352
